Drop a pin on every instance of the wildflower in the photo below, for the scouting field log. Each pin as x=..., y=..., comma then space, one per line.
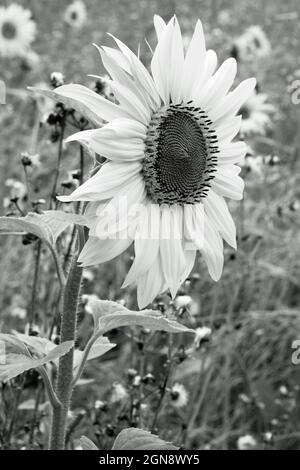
x=256, y=115
x=170, y=156
x=57, y=79
x=179, y=395
x=88, y=275
x=75, y=14
x=19, y=312
x=30, y=160
x=88, y=300
x=246, y=442
x=119, y=393
x=17, y=31
x=183, y=301
x=17, y=189
x=202, y=334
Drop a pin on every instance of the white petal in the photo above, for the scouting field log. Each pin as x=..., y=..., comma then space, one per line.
x=213, y=250
x=228, y=129
x=97, y=251
x=194, y=64
x=100, y=106
x=159, y=25
x=218, y=85
x=232, y=153
x=171, y=247
x=228, y=184
x=150, y=284
x=217, y=210
x=146, y=242
x=231, y=103
x=111, y=177
x=139, y=72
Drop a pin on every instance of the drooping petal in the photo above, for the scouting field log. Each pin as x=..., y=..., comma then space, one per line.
x=146, y=242
x=171, y=246
x=105, y=183
x=150, y=284
x=97, y=251
x=212, y=250
x=217, y=210
x=98, y=105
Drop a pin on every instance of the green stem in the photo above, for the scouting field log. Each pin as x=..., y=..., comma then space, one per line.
x=65, y=369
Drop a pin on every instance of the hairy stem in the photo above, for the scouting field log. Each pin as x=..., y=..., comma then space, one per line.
x=65, y=369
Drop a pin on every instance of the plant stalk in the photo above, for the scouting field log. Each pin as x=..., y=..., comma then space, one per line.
x=65, y=369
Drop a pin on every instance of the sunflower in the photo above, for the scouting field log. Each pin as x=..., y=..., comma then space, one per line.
x=256, y=114
x=253, y=44
x=17, y=31
x=75, y=14
x=170, y=158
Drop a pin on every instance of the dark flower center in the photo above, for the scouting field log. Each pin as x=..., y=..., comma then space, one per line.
x=9, y=30
x=180, y=155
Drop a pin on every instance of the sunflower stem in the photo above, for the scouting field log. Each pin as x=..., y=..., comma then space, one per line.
x=64, y=385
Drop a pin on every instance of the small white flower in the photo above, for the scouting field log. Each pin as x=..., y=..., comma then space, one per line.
x=183, y=301
x=88, y=275
x=99, y=404
x=19, y=312
x=119, y=393
x=246, y=442
x=283, y=390
x=18, y=190
x=202, y=333
x=256, y=114
x=179, y=395
x=136, y=381
x=88, y=300
x=57, y=79
x=75, y=14
x=253, y=44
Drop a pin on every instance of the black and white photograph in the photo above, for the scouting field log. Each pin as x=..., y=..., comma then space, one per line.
x=149, y=228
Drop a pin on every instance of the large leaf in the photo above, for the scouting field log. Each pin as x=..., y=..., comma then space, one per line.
x=70, y=103
x=87, y=444
x=109, y=315
x=17, y=358
x=139, y=439
x=46, y=226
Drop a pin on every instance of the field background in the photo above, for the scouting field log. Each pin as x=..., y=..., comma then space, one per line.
x=235, y=382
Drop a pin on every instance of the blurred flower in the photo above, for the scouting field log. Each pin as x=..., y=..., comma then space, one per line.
x=202, y=333
x=57, y=79
x=183, y=301
x=99, y=405
x=137, y=381
x=19, y=312
x=256, y=115
x=166, y=159
x=75, y=14
x=32, y=60
x=253, y=44
x=30, y=160
x=283, y=390
x=89, y=300
x=119, y=393
x=17, y=189
x=88, y=275
x=179, y=395
x=246, y=442
x=224, y=17
x=254, y=164
x=17, y=31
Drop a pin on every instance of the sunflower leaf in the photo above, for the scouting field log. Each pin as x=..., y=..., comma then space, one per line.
x=16, y=357
x=139, y=439
x=109, y=315
x=87, y=444
x=46, y=226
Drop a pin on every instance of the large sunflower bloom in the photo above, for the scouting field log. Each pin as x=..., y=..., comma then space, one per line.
x=168, y=143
